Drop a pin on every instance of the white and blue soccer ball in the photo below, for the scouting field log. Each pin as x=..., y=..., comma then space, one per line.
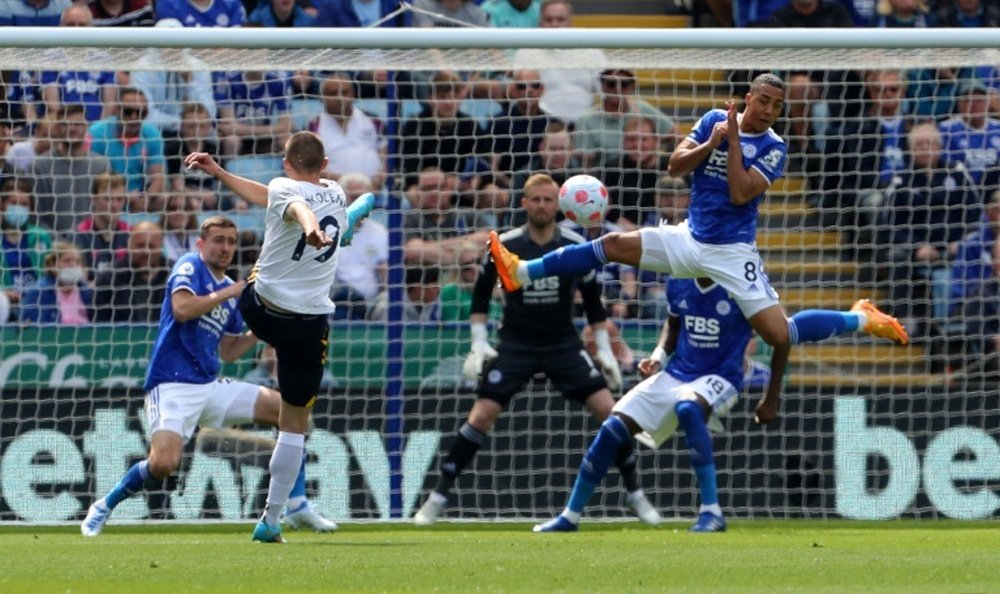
x=584, y=199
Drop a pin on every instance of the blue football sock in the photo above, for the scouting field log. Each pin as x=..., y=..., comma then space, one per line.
x=595, y=463
x=813, y=325
x=299, y=488
x=578, y=259
x=134, y=480
x=691, y=418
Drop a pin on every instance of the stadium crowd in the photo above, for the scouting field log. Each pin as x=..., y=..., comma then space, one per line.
x=97, y=205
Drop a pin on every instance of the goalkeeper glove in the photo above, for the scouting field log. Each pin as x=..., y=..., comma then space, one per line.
x=480, y=354
x=606, y=358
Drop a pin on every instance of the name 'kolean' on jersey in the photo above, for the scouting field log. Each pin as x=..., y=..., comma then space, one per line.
x=188, y=352
x=305, y=273
x=715, y=332
x=712, y=218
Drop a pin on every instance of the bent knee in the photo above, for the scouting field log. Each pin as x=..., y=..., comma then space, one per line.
x=161, y=466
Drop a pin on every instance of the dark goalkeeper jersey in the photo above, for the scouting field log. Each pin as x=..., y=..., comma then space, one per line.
x=541, y=312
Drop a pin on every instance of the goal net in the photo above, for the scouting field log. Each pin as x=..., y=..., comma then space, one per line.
x=889, y=193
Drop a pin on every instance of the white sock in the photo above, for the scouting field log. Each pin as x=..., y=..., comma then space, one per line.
x=571, y=515
x=714, y=508
x=522, y=273
x=285, y=463
x=862, y=320
x=438, y=498
x=295, y=502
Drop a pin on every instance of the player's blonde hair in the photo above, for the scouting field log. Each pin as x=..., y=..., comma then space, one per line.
x=539, y=179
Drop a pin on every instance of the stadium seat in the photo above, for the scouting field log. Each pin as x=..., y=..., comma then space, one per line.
x=256, y=167
x=133, y=218
x=303, y=112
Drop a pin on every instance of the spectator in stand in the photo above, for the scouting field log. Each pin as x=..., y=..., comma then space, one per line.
x=744, y=14
x=24, y=97
x=931, y=210
x=22, y=243
x=554, y=157
x=933, y=92
x=516, y=14
x=444, y=137
x=599, y=134
x=166, y=93
x=456, y=296
x=280, y=13
x=64, y=176
x=197, y=135
x=94, y=89
x=435, y=231
x=448, y=13
x=22, y=154
x=180, y=227
x=350, y=138
x=903, y=14
x=812, y=13
x=202, y=13
x=967, y=13
x=122, y=13
x=134, y=149
x=103, y=236
x=632, y=173
x=516, y=133
x=971, y=137
x=420, y=303
x=32, y=13
x=254, y=111
x=132, y=291
x=363, y=267
x=568, y=93
x=975, y=281
x=362, y=13
x=6, y=139
x=61, y=296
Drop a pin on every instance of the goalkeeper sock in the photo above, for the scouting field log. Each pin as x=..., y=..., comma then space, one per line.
x=298, y=494
x=286, y=460
x=576, y=259
x=691, y=418
x=626, y=460
x=463, y=450
x=135, y=479
x=813, y=325
x=610, y=438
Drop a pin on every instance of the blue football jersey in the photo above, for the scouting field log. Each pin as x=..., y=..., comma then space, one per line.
x=711, y=217
x=714, y=333
x=188, y=352
x=260, y=101
x=977, y=149
x=81, y=87
x=220, y=13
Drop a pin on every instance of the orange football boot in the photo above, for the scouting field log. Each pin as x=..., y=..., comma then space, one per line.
x=506, y=263
x=881, y=324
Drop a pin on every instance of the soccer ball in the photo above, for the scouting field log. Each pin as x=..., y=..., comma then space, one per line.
x=583, y=199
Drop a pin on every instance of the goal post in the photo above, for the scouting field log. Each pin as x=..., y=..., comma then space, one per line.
x=866, y=431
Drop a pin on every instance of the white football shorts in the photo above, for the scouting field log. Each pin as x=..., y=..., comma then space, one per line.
x=180, y=408
x=737, y=267
x=651, y=403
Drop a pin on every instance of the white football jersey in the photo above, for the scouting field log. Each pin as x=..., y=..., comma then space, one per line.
x=290, y=273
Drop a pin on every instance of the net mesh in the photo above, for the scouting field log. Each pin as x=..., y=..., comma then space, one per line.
x=447, y=137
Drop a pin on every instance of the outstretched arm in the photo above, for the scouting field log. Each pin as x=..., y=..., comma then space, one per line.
x=247, y=189
x=306, y=218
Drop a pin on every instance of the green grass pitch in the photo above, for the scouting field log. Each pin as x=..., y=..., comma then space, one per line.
x=759, y=556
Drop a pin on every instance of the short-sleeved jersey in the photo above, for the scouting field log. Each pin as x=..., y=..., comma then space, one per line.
x=188, y=352
x=21, y=13
x=290, y=273
x=259, y=101
x=712, y=218
x=220, y=13
x=132, y=160
x=714, y=333
x=82, y=87
x=541, y=312
x=978, y=149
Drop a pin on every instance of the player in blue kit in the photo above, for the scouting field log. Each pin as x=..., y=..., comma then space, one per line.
x=203, y=13
x=693, y=377
x=199, y=323
x=718, y=238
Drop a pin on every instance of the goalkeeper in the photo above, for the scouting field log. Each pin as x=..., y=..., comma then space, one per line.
x=536, y=335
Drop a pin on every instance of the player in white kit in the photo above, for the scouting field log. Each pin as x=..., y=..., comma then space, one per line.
x=287, y=298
